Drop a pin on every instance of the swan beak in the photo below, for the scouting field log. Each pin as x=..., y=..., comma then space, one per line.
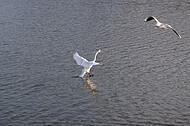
x=101, y=51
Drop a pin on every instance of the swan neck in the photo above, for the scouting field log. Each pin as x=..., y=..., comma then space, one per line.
x=95, y=56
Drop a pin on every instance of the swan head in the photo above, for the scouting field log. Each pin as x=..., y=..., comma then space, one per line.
x=100, y=51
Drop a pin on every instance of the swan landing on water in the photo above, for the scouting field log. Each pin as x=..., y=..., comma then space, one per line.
x=161, y=25
x=85, y=63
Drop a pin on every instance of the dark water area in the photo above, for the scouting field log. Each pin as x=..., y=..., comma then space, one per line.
x=144, y=78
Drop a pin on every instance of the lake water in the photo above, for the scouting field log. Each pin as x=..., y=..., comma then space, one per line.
x=144, y=78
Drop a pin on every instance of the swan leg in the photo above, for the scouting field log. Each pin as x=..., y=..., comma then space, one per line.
x=90, y=75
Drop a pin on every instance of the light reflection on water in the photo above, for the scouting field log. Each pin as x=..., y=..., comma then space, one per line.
x=90, y=86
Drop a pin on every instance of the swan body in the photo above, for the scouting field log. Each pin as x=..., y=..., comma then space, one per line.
x=85, y=63
x=161, y=25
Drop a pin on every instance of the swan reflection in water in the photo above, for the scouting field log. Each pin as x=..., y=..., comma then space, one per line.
x=89, y=85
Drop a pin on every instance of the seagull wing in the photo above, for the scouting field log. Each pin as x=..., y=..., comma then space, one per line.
x=173, y=30
x=80, y=60
x=151, y=18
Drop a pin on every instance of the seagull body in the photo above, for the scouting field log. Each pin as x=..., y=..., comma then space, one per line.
x=161, y=25
x=85, y=63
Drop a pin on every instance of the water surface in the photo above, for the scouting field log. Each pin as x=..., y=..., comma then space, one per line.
x=144, y=79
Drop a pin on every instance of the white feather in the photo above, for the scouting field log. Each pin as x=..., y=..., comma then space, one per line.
x=85, y=63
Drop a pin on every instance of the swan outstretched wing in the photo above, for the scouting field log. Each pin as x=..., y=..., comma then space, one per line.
x=80, y=60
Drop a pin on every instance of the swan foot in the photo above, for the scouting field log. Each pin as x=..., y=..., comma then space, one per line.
x=90, y=75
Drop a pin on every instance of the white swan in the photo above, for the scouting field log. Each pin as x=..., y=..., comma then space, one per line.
x=85, y=63
x=161, y=25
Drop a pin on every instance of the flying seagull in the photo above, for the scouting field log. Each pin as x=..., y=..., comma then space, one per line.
x=85, y=63
x=161, y=25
